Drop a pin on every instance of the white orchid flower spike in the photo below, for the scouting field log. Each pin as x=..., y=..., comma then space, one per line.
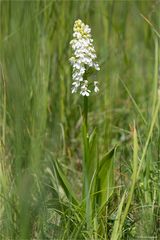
x=84, y=56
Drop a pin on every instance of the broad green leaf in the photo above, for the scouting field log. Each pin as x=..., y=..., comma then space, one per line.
x=93, y=156
x=92, y=139
x=65, y=183
x=105, y=178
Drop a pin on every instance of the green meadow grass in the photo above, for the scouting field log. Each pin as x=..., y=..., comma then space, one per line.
x=59, y=178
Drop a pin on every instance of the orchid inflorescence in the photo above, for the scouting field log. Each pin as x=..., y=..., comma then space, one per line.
x=84, y=58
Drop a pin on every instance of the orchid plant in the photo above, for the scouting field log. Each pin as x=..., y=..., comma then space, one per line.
x=84, y=56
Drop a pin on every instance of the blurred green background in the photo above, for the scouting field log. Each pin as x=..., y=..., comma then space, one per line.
x=39, y=117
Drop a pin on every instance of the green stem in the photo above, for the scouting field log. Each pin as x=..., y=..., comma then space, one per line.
x=86, y=183
x=85, y=113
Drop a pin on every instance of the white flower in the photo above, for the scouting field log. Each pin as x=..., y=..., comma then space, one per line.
x=97, y=66
x=96, y=89
x=84, y=89
x=84, y=55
